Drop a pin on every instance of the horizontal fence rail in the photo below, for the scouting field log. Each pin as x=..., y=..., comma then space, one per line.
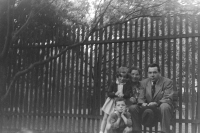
x=67, y=93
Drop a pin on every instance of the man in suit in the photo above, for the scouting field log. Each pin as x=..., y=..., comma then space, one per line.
x=156, y=91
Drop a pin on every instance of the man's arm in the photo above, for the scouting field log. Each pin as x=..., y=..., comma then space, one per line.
x=168, y=93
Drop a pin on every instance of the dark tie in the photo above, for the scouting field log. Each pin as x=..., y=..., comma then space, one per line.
x=153, y=88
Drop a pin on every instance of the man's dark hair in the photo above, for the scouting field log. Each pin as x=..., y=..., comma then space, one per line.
x=153, y=65
x=119, y=99
x=135, y=68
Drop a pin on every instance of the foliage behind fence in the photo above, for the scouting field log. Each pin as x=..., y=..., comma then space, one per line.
x=66, y=94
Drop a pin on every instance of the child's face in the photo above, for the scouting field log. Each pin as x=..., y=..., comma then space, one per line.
x=121, y=79
x=120, y=106
x=123, y=74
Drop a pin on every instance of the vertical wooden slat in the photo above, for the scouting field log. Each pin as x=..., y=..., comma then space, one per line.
x=67, y=88
x=174, y=52
x=59, y=89
x=141, y=43
x=81, y=86
x=99, y=88
x=130, y=43
x=46, y=90
x=85, y=101
x=95, y=87
x=157, y=42
x=72, y=87
x=193, y=72
x=32, y=92
x=115, y=50
x=174, y=56
x=110, y=58
x=163, y=47
x=169, y=46
x=187, y=78
x=151, y=42
x=21, y=95
x=41, y=93
x=125, y=45
x=136, y=43
x=104, y=68
x=180, y=72
x=76, y=95
x=198, y=76
x=120, y=46
x=90, y=80
x=36, y=88
x=146, y=47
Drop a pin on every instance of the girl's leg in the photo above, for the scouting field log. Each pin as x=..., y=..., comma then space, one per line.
x=103, y=123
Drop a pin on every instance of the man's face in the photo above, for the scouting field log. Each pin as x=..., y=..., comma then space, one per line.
x=153, y=73
x=135, y=75
x=120, y=106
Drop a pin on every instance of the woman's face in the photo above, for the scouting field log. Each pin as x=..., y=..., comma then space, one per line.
x=135, y=76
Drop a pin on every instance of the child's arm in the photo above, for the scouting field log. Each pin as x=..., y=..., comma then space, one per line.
x=127, y=119
x=114, y=120
x=127, y=90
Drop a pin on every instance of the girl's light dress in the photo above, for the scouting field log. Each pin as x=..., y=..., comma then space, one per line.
x=109, y=104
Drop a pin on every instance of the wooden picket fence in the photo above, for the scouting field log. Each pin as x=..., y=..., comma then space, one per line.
x=66, y=94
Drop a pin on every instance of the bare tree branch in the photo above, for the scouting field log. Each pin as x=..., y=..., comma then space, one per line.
x=32, y=14
x=153, y=6
x=20, y=73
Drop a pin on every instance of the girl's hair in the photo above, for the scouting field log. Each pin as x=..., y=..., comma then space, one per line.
x=121, y=70
x=119, y=99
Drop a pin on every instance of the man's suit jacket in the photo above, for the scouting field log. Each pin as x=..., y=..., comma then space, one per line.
x=163, y=91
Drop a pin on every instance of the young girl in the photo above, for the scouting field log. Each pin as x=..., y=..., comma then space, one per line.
x=119, y=88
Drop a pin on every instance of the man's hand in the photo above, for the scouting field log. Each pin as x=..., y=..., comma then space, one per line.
x=152, y=104
x=144, y=104
x=133, y=100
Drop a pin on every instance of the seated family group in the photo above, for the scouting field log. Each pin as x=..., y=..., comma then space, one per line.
x=132, y=103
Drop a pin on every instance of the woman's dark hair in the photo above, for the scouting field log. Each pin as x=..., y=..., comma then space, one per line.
x=153, y=65
x=135, y=68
